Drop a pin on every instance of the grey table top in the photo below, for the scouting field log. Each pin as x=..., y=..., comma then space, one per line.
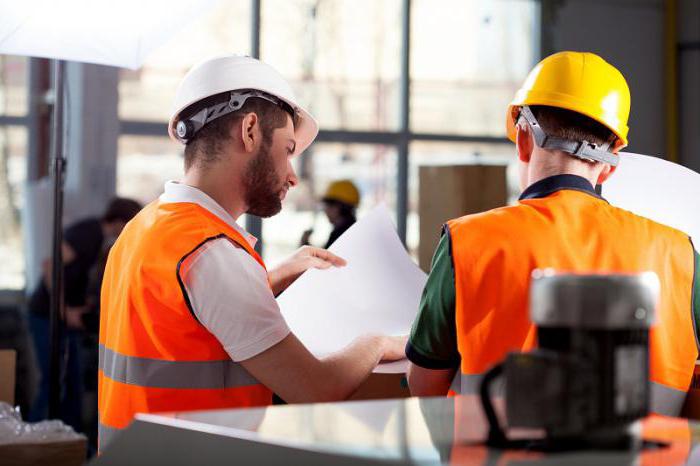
x=401, y=431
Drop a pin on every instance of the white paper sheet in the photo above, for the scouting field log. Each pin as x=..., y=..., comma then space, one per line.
x=377, y=292
x=663, y=191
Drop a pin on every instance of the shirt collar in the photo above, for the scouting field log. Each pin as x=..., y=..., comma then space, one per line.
x=179, y=192
x=548, y=186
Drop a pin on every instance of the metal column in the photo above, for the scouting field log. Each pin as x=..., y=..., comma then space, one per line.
x=405, y=112
x=254, y=224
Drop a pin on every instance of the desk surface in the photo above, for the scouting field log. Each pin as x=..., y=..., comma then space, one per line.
x=407, y=431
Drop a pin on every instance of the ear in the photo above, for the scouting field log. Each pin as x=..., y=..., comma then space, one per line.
x=250, y=132
x=608, y=170
x=524, y=143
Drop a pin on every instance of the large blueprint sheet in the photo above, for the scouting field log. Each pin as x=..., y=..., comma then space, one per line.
x=377, y=292
x=657, y=189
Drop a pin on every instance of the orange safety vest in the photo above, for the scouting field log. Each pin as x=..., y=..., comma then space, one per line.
x=569, y=230
x=154, y=354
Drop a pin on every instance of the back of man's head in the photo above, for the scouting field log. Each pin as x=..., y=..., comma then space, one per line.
x=207, y=146
x=570, y=125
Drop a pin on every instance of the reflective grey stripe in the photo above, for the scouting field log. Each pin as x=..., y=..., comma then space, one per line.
x=456, y=386
x=105, y=435
x=470, y=384
x=159, y=373
x=666, y=400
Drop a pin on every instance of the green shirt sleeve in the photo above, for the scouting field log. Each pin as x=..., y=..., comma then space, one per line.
x=433, y=340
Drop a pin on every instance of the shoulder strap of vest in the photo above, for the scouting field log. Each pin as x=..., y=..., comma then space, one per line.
x=179, y=277
x=231, y=233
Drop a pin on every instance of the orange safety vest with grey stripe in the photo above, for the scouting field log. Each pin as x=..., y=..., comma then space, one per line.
x=154, y=354
x=568, y=230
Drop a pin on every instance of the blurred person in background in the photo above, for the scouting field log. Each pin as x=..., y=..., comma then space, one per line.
x=83, y=245
x=339, y=204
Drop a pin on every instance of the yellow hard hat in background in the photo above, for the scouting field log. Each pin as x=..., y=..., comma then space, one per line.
x=580, y=82
x=343, y=191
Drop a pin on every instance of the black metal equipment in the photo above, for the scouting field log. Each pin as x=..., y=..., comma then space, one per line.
x=588, y=381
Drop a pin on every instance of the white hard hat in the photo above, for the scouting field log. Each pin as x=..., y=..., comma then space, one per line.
x=236, y=72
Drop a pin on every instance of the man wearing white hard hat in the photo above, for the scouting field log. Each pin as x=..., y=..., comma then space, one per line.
x=189, y=318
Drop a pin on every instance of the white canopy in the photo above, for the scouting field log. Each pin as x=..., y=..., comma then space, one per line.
x=108, y=32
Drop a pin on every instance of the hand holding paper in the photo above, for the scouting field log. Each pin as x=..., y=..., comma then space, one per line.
x=304, y=258
x=378, y=292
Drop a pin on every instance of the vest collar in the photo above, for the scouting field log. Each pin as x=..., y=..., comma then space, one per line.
x=549, y=186
x=180, y=192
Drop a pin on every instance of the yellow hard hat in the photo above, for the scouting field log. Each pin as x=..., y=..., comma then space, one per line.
x=580, y=82
x=343, y=191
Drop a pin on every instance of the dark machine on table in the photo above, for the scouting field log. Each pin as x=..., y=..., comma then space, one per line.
x=588, y=380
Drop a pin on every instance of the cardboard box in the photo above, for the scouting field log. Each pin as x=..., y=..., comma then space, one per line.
x=60, y=453
x=7, y=376
x=381, y=386
x=450, y=191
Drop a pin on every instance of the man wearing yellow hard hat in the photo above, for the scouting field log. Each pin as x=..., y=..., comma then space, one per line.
x=568, y=121
x=339, y=203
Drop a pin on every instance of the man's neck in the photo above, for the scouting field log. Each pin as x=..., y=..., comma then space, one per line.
x=560, y=164
x=227, y=193
x=541, y=175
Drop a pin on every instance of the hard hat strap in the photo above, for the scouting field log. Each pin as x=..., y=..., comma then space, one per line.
x=235, y=102
x=581, y=149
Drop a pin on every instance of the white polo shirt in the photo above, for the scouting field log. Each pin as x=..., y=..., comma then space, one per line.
x=227, y=288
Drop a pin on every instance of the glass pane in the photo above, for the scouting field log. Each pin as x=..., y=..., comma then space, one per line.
x=147, y=93
x=341, y=57
x=439, y=153
x=13, y=85
x=371, y=167
x=13, y=173
x=144, y=164
x=492, y=46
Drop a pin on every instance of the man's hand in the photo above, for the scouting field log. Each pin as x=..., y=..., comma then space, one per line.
x=304, y=258
x=394, y=348
x=297, y=376
x=74, y=317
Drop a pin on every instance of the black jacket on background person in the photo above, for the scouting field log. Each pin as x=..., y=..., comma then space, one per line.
x=85, y=238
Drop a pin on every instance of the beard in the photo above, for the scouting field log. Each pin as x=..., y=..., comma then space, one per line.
x=263, y=185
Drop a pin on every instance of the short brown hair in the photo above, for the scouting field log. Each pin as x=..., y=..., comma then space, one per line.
x=206, y=146
x=570, y=125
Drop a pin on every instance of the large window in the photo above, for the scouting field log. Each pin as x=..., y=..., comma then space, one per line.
x=349, y=65
x=341, y=56
x=13, y=169
x=147, y=93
